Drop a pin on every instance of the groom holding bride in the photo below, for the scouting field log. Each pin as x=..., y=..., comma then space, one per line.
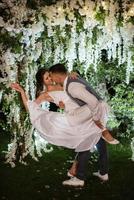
x=80, y=91
x=80, y=127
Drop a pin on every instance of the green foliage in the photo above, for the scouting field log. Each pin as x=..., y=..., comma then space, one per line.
x=131, y=20
x=96, y=32
x=120, y=95
x=100, y=15
x=58, y=35
x=119, y=15
x=11, y=41
x=131, y=48
x=79, y=21
x=79, y=67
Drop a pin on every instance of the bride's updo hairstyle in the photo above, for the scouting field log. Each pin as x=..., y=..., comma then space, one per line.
x=39, y=81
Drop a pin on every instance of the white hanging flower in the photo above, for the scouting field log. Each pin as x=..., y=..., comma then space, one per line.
x=38, y=28
x=72, y=5
x=132, y=148
x=9, y=57
x=82, y=50
x=38, y=50
x=2, y=23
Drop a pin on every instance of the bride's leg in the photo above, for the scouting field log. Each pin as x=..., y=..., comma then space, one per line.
x=106, y=135
x=72, y=171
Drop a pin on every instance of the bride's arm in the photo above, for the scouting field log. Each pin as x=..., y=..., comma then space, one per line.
x=19, y=89
x=43, y=97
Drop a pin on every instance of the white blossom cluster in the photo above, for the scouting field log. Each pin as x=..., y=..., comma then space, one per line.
x=110, y=38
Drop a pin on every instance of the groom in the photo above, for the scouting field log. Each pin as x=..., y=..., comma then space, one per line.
x=79, y=90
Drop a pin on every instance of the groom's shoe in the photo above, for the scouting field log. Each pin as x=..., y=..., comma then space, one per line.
x=101, y=177
x=76, y=182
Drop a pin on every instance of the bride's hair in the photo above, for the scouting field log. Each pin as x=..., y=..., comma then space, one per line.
x=39, y=81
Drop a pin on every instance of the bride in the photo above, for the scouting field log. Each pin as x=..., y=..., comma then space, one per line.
x=73, y=129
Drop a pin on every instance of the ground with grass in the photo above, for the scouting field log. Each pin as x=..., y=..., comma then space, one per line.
x=43, y=180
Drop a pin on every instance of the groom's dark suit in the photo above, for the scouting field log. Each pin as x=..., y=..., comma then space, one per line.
x=101, y=145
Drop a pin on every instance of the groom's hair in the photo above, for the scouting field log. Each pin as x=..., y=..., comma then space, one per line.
x=58, y=69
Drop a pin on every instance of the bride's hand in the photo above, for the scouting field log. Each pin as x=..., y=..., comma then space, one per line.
x=16, y=87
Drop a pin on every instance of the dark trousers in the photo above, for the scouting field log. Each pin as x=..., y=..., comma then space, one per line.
x=83, y=157
x=103, y=156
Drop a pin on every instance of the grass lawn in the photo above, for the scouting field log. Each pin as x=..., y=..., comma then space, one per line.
x=43, y=180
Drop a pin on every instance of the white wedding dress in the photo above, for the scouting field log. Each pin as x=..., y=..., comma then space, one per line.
x=73, y=129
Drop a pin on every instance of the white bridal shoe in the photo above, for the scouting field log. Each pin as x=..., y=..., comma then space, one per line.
x=74, y=182
x=114, y=141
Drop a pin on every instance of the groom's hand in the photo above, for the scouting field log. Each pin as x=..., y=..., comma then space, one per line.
x=73, y=75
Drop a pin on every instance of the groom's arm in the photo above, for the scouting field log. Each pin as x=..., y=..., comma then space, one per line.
x=78, y=90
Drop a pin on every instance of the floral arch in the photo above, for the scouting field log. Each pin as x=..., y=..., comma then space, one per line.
x=94, y=37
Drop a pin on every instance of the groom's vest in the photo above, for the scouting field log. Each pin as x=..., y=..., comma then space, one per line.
x=88, y=88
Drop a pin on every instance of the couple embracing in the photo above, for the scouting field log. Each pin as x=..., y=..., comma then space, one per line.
x=80, y=127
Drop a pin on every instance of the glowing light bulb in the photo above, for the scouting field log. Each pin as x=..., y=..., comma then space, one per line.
x=59, y=9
